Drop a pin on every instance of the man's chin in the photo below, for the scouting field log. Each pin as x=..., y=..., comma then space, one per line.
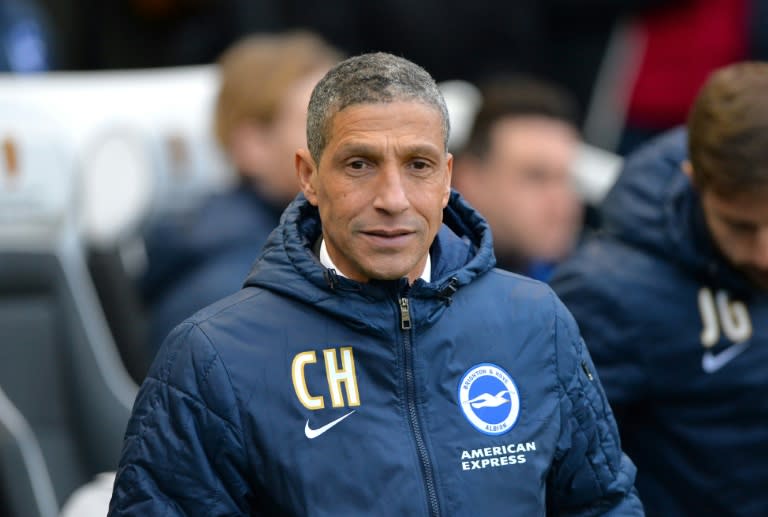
x=387, y=270
x=387, y=275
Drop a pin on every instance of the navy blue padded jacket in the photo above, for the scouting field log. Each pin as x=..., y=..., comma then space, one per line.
x=680, y=340
x=310, y=394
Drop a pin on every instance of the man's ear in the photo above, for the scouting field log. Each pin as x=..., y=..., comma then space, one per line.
x=687, y=168
x=306, y=171
x=448, y=179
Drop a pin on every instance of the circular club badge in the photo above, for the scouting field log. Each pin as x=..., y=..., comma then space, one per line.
x=489, y=399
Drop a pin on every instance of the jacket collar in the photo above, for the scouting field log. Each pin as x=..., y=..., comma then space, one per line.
x=461, y=252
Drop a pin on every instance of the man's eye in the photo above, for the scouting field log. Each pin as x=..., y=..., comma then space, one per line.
x=420, y=165
x=356, y=164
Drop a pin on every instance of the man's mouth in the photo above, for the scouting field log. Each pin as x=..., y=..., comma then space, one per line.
x=394, y=237
x=388, y=233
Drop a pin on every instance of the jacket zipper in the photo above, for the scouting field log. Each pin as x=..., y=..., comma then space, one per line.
x=410, y=395
x=405, y=314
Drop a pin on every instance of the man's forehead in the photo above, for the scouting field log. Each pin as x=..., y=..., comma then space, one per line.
x=746, y=205
x=388, y=115
x=334, y=111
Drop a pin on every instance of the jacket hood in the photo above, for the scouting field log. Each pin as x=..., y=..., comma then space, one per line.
x=461, y=251
x=653, y=206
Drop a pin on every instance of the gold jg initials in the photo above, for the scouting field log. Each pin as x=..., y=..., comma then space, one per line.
x=336, y=375
x=718, y=312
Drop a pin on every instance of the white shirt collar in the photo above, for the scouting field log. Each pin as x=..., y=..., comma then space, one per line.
x=325, y=259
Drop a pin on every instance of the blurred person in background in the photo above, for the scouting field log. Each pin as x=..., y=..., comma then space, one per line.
x=516, y=169
x=672, y=299
x=26, y=39
x=266, y=81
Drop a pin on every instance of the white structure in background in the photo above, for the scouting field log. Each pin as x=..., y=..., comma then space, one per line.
x=143, y=139
x=36, y=202
x=595, y=172
x=46, y=285
x=463, y=100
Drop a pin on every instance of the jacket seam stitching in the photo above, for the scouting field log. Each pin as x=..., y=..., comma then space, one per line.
x=598, y=414
x=197, y=322
x=566, y=393
x=224, y=367
x=236, y=427
x=216, y=491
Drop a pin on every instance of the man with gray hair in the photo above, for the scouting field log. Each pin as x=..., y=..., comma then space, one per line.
x=375, y=362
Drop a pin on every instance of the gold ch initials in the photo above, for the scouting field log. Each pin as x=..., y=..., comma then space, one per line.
x=720, y=312
x=335, y=375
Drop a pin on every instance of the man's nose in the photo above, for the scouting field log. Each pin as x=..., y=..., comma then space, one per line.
x=391, y=195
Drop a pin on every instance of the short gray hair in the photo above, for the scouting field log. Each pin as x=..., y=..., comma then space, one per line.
x=369, y=79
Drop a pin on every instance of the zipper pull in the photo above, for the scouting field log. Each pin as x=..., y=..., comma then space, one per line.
x=405, y=314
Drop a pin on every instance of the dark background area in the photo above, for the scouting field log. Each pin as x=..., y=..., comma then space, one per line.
x=561, y=40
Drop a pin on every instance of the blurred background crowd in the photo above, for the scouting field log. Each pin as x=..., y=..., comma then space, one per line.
x=149, y=145
x=646, y=58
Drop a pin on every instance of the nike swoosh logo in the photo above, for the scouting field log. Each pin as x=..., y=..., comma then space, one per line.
x=711, y=363
x=314, y=433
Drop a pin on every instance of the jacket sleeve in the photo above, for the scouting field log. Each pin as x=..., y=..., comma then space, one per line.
x=183, y=452
x=590, y=475
x=612, y=320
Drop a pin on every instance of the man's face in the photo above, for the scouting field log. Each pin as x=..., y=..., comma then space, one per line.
x=524, y=187
x=380, y=187
x=739, y=226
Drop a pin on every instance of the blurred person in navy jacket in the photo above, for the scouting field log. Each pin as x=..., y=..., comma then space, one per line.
x=672, y=299
x=266, y=81
x=25, y=37
x=516, y=169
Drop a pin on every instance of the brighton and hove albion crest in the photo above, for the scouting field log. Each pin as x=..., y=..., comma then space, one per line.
x=489, y=399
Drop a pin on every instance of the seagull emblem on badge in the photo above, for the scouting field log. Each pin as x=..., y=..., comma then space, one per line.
x=489, y=400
